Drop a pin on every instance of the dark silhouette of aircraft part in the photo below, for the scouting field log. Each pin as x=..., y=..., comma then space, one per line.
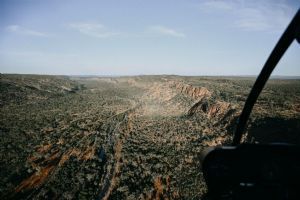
x=292, y=32
x=256, y=171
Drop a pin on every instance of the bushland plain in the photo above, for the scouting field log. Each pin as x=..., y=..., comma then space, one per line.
x=139, y=137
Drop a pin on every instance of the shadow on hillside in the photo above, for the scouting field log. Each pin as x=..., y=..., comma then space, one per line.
x=275, y=129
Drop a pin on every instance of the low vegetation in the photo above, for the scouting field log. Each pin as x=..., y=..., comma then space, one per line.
x=127, y=137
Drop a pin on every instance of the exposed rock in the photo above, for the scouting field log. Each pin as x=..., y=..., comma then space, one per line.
x=197, y=93
x=213, y=109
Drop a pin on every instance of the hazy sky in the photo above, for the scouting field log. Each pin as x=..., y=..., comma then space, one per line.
x=131, y=37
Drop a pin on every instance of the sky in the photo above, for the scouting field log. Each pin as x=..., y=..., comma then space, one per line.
x=135, y=37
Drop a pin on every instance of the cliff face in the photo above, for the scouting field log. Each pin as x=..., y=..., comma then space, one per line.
x=205, y=105
x=194, y=92
x=166, y=91
x=217, y=109
x=171, y=98
x=212, y=109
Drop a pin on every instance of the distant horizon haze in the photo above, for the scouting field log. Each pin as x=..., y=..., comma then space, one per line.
x=136, y=75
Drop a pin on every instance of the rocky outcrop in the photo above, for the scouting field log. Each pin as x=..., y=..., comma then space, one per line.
x=212, y=109
x=192, y=91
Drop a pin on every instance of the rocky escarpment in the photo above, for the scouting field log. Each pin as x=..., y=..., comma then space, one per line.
x=171, y=98
x=166, y=91
x=211, y=109
x=190, y=90
x=220, y=119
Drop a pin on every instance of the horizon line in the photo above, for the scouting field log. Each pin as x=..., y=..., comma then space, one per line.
x=128, y=75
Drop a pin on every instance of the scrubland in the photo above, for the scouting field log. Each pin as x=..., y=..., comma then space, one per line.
x=128, y=137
